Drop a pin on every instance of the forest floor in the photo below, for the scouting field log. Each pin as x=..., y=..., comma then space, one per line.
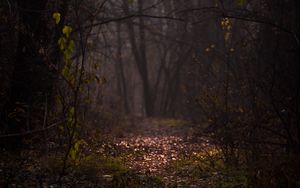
x=174, y=151
x=129, y=153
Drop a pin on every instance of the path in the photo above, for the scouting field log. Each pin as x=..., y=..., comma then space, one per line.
x=152, y=147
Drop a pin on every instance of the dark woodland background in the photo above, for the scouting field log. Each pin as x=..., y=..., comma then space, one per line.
x=74, y=71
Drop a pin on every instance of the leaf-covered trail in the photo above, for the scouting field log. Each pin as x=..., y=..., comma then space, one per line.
x=152, y=147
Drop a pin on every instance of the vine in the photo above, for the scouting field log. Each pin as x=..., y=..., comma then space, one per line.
x=66, y=46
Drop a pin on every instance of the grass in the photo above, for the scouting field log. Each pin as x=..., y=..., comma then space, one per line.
x=208, y=169
x=103, y=171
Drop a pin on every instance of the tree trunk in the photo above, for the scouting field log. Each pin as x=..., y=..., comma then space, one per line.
x=140, y=56
x=122, y=87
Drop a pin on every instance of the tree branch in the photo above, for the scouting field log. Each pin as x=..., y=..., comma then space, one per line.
x=33, y=131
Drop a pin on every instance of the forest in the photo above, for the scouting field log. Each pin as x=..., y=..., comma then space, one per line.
x=150, y=93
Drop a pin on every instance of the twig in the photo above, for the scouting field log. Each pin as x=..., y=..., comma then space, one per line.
x=109, y=20
x=44, y=125
x=9, y=5
x=33, y=131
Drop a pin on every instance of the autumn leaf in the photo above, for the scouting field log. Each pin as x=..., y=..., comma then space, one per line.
x=71, y=46
x=56, y=16
x=62, y=43
x=67, y=30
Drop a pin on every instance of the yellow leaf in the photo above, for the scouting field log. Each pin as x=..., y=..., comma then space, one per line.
x=67, y=30
x=71, y=46
x=56, y=17
x=67, y=56
x=72, y=110
x=66, y=72
x=62, y=43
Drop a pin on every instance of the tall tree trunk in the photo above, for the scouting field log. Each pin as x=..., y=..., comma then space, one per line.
x=122, y=87
x=140, y=56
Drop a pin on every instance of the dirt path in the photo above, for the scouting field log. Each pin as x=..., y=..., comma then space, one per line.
x=153, y=147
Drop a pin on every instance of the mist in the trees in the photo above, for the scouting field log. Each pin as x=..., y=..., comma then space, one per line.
x=161, y=93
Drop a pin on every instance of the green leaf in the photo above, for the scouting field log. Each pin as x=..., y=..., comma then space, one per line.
x=67, y=56
x=66, y=72
x=72, y=154
x=71, y=46
x=72, y=110
x=76, y=145
x=62, y=43
x=56, y=17
x=67, y=30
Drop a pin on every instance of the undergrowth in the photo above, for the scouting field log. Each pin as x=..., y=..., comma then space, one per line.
x=207, y=168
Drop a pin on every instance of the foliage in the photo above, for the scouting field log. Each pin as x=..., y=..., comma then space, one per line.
x=104, y=171
x=67, y=47
x=226, y=25
x=208, y=169
x=56, y=16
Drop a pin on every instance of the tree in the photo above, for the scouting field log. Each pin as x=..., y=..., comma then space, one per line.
x=28, y=79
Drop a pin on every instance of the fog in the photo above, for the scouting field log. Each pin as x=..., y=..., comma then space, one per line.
x=161, y=93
